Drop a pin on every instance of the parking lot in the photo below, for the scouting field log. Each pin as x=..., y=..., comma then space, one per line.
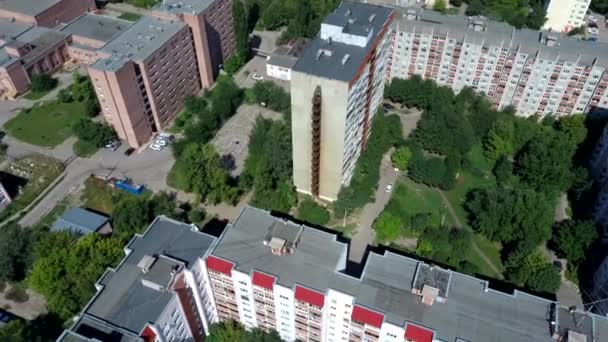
x=257, y=65
x=232, y=140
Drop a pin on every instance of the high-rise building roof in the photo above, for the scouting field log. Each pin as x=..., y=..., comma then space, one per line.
x=134, y=293
x=402, y=290
x=347, y=35
x=182, y=6
x=97, y=27
x=29, y=7
x=138, y=42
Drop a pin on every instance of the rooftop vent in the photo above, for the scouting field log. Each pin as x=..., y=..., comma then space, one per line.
x=429, y=294
x=410, y=14
x=146, y=263
x=372, y=17
x=348, y=13
x=345, y=59
x=283, y=237
x=477, y=24
x=551, y=40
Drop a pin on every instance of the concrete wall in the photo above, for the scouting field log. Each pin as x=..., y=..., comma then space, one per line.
x=333, y=115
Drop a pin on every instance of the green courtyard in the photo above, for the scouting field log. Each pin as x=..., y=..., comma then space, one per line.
x=46, y=124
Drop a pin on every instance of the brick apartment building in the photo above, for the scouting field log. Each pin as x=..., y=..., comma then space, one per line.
x=336, y=87
x=535, y=72
x=273, y=274
x=141, y=71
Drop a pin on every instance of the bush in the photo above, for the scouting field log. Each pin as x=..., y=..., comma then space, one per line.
x=65, y=96
x=432, y=171
x=197, y=215
x=311, y=212
x=42, y=82
x=95, y=133
x=17, y=294
x=271, y=94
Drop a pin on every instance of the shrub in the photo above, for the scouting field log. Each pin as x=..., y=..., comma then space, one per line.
x=42, y=82
x=312, y=212
x=17, y=294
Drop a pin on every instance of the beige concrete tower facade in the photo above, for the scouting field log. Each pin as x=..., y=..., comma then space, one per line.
x=336, y=88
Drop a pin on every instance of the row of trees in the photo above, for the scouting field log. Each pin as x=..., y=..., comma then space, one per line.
x=232, y=332
x=386, y=133
x=301, y=17
x=518, y=13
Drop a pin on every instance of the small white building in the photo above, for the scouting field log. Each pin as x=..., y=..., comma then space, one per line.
x=282, y=60
x=564, y=15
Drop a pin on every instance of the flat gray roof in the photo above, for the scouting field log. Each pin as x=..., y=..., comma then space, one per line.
x=29, y=7
x=182, y=6
x=472, y=311
x=125, y=301
x=97, y=27
x=331, y=67
x=79, y=220
x=314, y=262
x=501, y=34
x=10, y=29
x=138, y=42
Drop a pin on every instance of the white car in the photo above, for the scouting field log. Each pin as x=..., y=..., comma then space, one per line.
x=389, y=188
x=257, y=77
x=593, y=30
x=592, y=18
x=166, y=136
x=161, y=142
x=156, y=147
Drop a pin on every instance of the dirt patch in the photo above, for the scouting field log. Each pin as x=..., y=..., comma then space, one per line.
x=22, y=302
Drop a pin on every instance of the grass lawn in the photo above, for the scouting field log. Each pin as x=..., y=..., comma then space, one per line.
x=36, y=95
x=99, y=196
x=142, y=3
x=84, y=149
x=130, y=16
x=40, y=172
x=46, y=124
x=416, y=198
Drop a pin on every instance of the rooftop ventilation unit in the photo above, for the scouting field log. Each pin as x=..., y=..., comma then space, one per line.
x=345, y=59
x=372, y=17
x=146, y=263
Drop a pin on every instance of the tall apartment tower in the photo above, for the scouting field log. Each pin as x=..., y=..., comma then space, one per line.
x=336, y=88
x=564, y=15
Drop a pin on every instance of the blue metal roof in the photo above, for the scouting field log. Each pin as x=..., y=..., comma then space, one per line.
x=80, y=221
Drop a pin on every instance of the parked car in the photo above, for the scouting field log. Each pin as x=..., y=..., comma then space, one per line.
x=161, y=142
x=156, y=147
x=113, y=145
x=166, y=136
x=591, y=18
x=389, y=188
x=129, y=151
x=388, y=106
x=593, y=30
x=257, y=77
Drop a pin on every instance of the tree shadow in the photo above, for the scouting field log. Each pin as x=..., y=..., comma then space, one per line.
x=227, y=162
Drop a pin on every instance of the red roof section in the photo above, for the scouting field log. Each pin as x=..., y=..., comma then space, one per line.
x=363, y=315
x=148, y=334
x=309, y=296
x=418, y=334
x=263, y=280
x=219, y=265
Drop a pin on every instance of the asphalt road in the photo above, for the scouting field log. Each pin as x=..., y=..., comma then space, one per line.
x=147, y=167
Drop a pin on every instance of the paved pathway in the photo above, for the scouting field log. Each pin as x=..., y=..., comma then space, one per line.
x=459, y=225
x=365, y=235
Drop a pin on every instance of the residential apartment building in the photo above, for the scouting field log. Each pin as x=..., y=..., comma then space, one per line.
x=273, y=274
x=47, y=13
x=212, y=30
x=564, y=15
x=535, y=72
x=5, y=197
x=159, y=291
x=143, y=76
x=336, y=88
x=26, y=50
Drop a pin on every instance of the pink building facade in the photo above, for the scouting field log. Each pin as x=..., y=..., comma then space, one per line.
x=144, y=76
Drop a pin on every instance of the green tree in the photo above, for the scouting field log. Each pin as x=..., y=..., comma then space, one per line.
x=131, y=215
x=231, y=331
x=503, y=170
x=499, y=140
x=66, y=274
x=572, y=239
x=534, y=272
x=198, y=169
x=440, y=6
x=163, y=204
x=573, y=126
x=388, y=227
x=546, y=161
x=312, y=212
x=600, y=6
x=15, y=252
x=241, y=30
x=401, y=157
x=95, y=133
x=42, y=82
